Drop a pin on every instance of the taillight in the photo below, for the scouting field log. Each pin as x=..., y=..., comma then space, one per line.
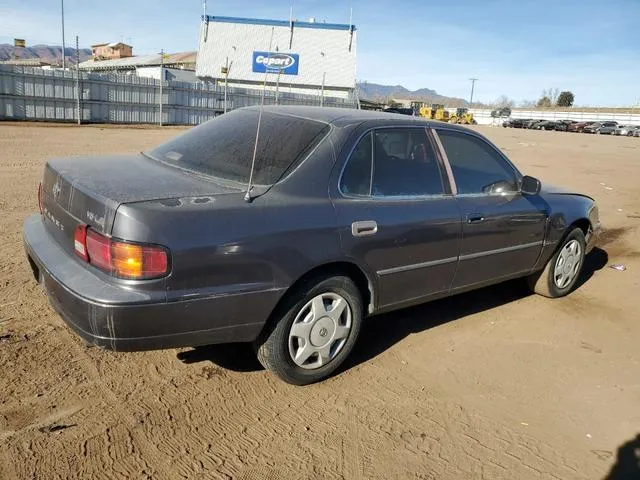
x=80, y=242
x=99, y=250
x=124, y=260
x=40, y=197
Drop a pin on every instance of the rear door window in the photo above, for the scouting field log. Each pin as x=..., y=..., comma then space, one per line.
x=356, y=178
x=405, y=164
x=393, y=162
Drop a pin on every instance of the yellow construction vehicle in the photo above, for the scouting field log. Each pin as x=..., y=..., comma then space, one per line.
x=435, y=112
x=463, y=117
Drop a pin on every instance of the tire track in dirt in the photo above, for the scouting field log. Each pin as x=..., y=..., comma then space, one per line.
x=145, y=449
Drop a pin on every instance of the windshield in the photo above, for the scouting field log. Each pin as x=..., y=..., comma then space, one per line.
x=223, y=147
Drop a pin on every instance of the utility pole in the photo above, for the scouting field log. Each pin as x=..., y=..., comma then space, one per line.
x=278, y=85
x=226, y=70
x=161, y=81
x=226, y=82
x=62, y=9
x=473, y=84
x=78, y=80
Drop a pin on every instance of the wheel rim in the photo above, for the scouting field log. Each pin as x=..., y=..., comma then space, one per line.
x=320, y=330
x=568, y=264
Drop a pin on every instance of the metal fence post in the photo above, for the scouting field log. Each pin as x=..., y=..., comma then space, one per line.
x=161, y=80
x=78, y=82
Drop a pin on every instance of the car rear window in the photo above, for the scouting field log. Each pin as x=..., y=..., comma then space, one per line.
x=223, y=147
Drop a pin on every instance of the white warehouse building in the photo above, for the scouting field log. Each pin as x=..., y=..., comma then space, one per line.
x=296, y=57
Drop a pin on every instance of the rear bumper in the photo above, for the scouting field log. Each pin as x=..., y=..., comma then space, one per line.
x=117, y=318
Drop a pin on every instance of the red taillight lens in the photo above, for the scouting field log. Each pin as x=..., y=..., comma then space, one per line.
x=99, y=250
x=124, y=260
x=40, y=197
x=80, y=242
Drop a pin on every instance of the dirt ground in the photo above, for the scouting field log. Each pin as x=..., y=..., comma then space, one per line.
x=494, y=384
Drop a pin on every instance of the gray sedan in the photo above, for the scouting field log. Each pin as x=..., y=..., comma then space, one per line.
x=624, y=130
x=604, y=128
x=287, y=228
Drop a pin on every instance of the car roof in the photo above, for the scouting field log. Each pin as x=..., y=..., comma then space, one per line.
x=341, y=117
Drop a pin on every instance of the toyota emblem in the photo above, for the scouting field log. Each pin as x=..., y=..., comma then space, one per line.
x=56, y=190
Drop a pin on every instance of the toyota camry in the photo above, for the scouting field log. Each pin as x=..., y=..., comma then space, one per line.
x=287, y=226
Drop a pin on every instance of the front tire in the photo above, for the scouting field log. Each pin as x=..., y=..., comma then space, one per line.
x=314, y=330
x=561, y=273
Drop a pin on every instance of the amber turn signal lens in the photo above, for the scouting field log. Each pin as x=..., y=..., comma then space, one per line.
x=126, y=260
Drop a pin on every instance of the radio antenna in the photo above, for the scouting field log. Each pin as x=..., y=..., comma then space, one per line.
x=247, y=195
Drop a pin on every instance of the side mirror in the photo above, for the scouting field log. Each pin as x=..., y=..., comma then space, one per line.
x=530, y=185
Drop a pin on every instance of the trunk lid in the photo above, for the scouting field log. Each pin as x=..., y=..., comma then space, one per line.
x=89, y=190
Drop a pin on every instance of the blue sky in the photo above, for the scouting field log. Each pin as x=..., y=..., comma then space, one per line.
x=515, y=47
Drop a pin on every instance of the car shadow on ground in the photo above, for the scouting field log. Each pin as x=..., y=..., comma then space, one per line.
x=627, y=466
x=237, y=357
x=381, y=332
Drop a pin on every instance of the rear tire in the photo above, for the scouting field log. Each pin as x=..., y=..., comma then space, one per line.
x=561, y=272
x=313, y=331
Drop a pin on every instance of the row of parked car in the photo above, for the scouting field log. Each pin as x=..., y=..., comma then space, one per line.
x=605, y=128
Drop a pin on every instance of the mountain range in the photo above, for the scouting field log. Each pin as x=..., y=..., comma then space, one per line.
x=377, y=92
x=47, y=53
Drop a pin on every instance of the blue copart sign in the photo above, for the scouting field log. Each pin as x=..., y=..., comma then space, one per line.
x=274, y=62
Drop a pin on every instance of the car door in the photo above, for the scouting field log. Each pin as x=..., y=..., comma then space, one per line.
x=502, y=230
x=397, y=216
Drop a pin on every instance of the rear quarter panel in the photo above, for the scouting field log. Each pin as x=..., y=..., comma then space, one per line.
x=223, y=244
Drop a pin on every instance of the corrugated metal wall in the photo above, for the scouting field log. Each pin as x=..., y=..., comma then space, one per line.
x=38, y=94
x=323, y=49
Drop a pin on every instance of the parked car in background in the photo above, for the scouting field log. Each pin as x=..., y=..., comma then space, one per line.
x=578, y=126
x=400, y=110
x=605, y=128
x=519, y=122
x=563, y=125
x=508, y=123
x=636, y=132
x=501, y=112
x=533, y=122
x=624, y=130
x=341, y=215
x=545, y=125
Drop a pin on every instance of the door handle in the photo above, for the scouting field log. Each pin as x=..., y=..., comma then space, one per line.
x=475, y=218
x=364, y=228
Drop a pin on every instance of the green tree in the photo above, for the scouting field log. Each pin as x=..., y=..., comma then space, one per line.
x=544, y=102
x=565, y=99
